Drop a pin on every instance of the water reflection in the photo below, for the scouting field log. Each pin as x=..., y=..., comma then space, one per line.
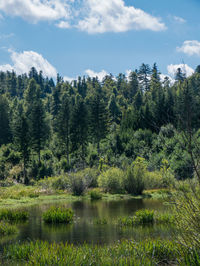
x=84, y=230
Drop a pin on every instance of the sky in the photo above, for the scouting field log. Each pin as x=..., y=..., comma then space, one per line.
x=99, y=37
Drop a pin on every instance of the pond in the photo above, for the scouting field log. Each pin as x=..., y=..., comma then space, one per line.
x=85, y=230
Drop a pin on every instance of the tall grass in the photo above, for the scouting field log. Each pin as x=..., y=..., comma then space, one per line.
x=7, y=229
x=58, y=215
x=13, y=215
x=122, y=253
x=142, y=217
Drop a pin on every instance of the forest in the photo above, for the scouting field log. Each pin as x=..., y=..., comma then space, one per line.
x=50, y=127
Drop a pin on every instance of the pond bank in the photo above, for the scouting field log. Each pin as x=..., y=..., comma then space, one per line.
x=20, y=196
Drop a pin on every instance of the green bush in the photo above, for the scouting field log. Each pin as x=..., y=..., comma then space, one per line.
x=58, y=215
x=91, y=176
x=13, y=215
x=95, y=195
x=112, y=180
x=7, y=229
x=78, y=184
x=135, y=175
x=61, y=182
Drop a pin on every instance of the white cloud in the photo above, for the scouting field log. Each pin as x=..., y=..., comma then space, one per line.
x=172, y=69
x=36, y=10
x=179, y=19
x=69, y=79
x=63, y=25
x=92, y=16
x=163, y=76
x=94, y=74
x=190, y=48
x=114, y=16
x=22, y=63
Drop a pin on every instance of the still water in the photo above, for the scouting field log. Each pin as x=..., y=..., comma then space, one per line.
x=85, y=230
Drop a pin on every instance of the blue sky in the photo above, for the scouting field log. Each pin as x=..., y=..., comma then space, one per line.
x=95, y=37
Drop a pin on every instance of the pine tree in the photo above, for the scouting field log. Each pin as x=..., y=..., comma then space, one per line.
x=98, y=119
x=79, y=127
x=5, y=131
x=21, y=137
x=39, y=130
x=62, y=124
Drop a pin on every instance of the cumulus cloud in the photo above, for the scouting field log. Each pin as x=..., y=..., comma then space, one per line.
x=92, y=16
x=36, y=10
x=94, y=74
x=114, y=16
x=22, y=63
x=163, y=77
x=172, y=69
x=190, y=48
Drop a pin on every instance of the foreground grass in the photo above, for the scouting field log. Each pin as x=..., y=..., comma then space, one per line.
x=122, y=253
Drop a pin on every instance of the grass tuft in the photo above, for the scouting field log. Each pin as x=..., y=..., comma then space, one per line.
x=13, y=215
x=7, y=229
x=58, y=215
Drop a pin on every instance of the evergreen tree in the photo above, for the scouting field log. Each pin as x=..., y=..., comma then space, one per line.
x=62, y=124
x=21, y=137
x=5, y=131
x=98, y=119
x=39, y=130
x=144, y=76
x=79, y=127
x=114, y=109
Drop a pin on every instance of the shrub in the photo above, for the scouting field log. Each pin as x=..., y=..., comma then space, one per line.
x=60, y=183
x=95, y=195
x=112, y=180
x=7, y=229
x=135, y=175
x=58, y=215
x=91, y=176
x=77, y=184
x=13, y=215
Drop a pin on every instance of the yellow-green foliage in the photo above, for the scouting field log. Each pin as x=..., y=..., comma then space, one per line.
x=187, y=209
x=121, y=253
x=54, y=183
x=13, y=215
x=58, y=215
x=18, y=192
x=7, y=229
x=95, y=194
x=144, y=216
x=135, y=176
x=112, y=180
x=160, y=179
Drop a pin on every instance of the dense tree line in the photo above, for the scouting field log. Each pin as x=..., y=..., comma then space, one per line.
x=48, y=127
